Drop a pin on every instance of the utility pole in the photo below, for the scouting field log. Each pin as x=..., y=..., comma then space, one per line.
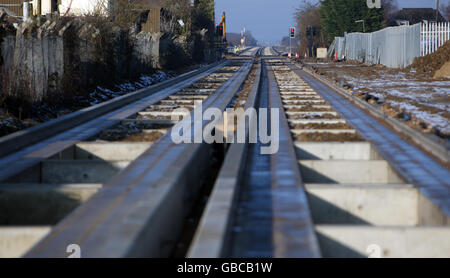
x=291, y=36
x=437, y=10
x=290, y=46
x=310, y=31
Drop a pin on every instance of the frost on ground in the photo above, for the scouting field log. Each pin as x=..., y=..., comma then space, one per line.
x=102, y=94
x=41, y=113
x=422, y=102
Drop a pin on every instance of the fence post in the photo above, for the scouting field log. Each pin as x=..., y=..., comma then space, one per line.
x=425, y=39
x=421, y=39
x=427, y=45
x=435, y=37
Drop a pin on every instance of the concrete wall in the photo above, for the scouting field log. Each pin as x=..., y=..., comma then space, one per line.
x=37, y=61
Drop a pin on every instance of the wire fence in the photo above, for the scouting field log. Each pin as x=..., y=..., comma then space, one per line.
x=394, y=47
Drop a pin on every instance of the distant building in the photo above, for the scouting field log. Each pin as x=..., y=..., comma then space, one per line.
x=414, y=15
x=15, y=7
x=150, y=10
x=151, y=13
x=82, y=7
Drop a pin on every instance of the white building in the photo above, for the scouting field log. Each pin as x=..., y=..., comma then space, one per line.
x=65, y=7
x=83, y=7
x=71, y=7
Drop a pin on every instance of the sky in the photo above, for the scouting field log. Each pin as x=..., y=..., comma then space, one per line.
x=269, y=20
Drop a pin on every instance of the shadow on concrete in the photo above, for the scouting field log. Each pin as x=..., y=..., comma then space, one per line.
x=324, y=212
x=304, y=155
x=311, y=176
x=331, y=248
x=34, y=206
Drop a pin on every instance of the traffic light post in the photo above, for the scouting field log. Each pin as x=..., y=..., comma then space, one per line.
x=221, y=36
x=310, y=31
x=292, y=35
x=220, y=40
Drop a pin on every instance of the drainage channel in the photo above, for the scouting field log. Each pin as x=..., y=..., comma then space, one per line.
x=35, y=200
x=359, y=204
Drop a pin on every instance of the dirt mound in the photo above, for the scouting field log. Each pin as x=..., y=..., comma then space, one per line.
x=444, y=72
x=433, y=62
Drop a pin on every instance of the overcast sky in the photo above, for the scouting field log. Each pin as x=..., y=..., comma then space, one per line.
x=269, y=20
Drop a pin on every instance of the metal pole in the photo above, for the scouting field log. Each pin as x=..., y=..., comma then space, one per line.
x=359, y=21
x=290, y=46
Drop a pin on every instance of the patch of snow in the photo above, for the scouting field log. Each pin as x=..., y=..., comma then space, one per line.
x=435, y=120
x=397, y=93
x=102, y=94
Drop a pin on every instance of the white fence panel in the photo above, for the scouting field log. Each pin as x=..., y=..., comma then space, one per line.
x=433, y=35
x=395, y=47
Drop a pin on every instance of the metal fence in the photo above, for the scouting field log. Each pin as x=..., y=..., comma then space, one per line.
x=395, y=47
x=340, y=46
x=433, y=35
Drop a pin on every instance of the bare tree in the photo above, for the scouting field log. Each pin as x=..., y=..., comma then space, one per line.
x=445, y=10
x=173, y=11
x=390, y=7
x=307, y=15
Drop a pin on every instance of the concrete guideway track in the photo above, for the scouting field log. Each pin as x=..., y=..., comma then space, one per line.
x=350, y=197
x=153, y=191
x=361, y=203
x=34, y=152
x=413, y=164
x=342, y=183
x=67, y=171
x=253, y=211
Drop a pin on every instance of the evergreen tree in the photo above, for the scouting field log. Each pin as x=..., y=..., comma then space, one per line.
x=204, y=14
x=339, y=16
